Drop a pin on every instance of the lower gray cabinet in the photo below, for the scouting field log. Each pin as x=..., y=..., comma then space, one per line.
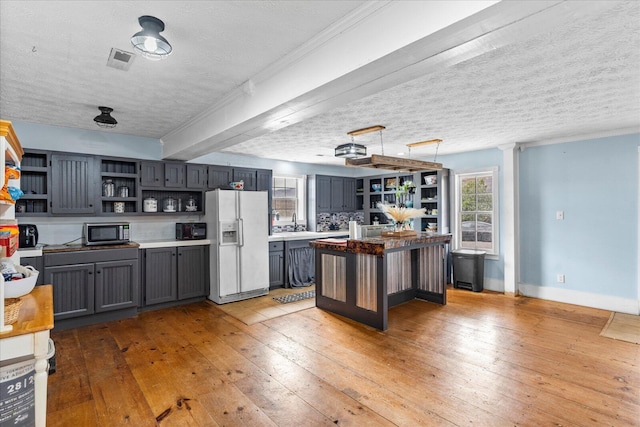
x=174, y=274
x=37, y=263
x=92, y=282
x=160, y=278
x=276, y=264
x=73, y=290
x=192, y=271
x=114, y=285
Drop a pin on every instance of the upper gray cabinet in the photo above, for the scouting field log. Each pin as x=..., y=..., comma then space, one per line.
x=174, y=175
x=196, y=176
x=219, y=176
x=349, y=195
x=248, y=176
x=335, y=194
x=152, y=174
x=323, y=193
x=58, y=183
x=75, y=185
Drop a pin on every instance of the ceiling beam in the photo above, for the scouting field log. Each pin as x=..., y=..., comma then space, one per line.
x=358, y=61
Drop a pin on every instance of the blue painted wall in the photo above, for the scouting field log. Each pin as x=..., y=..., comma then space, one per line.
x=105, y=143
x=595, y=183
x=458, y=163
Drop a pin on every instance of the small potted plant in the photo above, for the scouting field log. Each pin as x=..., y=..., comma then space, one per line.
x=403, y=191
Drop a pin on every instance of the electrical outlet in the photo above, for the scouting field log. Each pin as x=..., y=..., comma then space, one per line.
x=560, y=278
x=559, y=214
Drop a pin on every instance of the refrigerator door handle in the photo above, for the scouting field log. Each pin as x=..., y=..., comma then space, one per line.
x=241, y=232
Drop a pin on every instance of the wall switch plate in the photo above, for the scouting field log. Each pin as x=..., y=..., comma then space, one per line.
x=560, y=278
x=559, y=214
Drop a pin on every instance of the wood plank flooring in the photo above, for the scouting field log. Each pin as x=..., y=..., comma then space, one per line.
x=484, y=359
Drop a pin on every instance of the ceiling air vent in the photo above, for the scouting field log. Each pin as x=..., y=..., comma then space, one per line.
x=120, y=59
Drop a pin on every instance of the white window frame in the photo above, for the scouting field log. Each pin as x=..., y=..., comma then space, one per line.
x=494, y=252
x=301, y=196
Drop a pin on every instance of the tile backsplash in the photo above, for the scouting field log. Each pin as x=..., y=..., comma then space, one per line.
x=337, y=220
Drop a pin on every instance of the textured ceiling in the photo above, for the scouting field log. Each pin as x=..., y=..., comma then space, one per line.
x=577, y=78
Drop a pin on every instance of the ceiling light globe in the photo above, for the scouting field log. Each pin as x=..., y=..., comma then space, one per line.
x=148, y=42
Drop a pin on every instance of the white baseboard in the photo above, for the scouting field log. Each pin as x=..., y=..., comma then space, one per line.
x=491, y=284
x=604, y=302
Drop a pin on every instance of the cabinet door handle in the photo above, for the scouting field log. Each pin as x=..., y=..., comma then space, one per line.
x=99, y=271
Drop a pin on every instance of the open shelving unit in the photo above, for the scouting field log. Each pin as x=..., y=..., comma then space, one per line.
x=34, y=182
x=10, y=153
x=123, y=173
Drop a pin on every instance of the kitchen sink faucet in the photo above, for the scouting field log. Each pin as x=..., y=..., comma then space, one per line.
x=295, y=222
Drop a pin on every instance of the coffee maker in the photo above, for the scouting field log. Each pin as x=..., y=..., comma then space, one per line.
x=28, y=235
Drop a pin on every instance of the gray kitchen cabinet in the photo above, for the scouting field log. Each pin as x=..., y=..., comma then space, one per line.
x=123, y=173
x=276, y=265
x=192, y=271
x=219, y=176
x=152, y=174
x=335, y=194
x=160, y=278
x=34, y=182
x=75, y=184
x=174, y=175
x=349, y=195
x=174, y=274
x=100, y=282
x=196, y=176
x=114, y=285
x=73, y=290
x=264, y=182
x=248, y=176
x=37, y=263
x=323, y=194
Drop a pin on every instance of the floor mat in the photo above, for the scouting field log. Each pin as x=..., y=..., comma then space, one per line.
x=623, y=327
x=285, y=299
x=259, y=309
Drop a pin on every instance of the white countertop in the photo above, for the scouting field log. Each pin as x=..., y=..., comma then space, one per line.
x=304, y=235
x=27, y=252
x=147, y=244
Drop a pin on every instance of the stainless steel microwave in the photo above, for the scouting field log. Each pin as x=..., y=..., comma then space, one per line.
x=106, y=233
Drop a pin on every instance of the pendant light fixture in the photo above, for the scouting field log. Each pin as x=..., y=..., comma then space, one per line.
x=104, y=120
x=377, y=161
x=350, y=150
x=148, y=42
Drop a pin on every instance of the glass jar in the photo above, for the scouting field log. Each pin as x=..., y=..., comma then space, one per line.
x=108, y=188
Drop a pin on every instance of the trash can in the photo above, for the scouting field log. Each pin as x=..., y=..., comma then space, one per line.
x=468, y=269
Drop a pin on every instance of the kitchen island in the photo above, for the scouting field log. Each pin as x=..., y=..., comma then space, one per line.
x=362, y=278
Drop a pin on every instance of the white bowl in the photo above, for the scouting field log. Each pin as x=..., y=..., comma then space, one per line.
x=20, y=287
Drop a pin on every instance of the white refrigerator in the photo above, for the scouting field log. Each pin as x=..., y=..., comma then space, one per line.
x=237, y=222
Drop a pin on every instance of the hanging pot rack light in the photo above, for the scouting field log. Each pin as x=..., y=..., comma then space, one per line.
x=387, y=162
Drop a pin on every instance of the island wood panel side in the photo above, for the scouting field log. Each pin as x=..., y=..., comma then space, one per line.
x=334, y=277
x=366, y=282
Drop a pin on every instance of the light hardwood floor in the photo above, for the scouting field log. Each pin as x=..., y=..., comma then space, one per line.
x=484, y=359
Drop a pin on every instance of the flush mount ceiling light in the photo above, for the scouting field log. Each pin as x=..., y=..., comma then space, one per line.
x=387, y=162
x=104, y=120
x=148, y=42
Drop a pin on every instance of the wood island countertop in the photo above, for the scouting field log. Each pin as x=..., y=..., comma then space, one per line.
x=36, y=313
x=378, y=245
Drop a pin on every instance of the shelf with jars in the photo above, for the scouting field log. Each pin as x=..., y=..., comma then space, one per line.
x=119, y=186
